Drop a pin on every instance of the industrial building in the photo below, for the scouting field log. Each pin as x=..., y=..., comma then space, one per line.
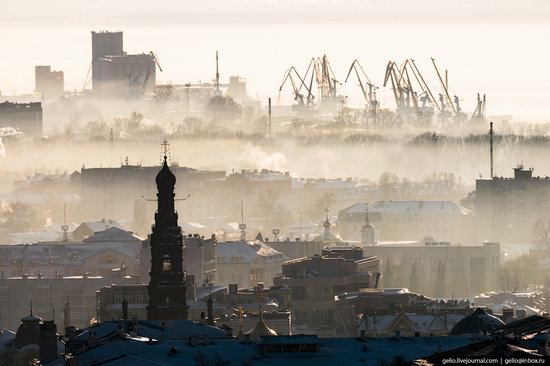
x=118, y=74
x=24, y=117
x=50, y=84
x=315, y=281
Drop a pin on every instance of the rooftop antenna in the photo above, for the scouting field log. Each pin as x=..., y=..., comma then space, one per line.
x=65, y=227
x=491, y=133
x=31, y=306
x=242, y=226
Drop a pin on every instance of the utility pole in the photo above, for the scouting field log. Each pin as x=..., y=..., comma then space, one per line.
x=217, y=74
x=491, y=133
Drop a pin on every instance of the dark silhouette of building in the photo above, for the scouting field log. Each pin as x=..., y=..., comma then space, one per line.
x=167, y=285
x=116, y=73
x=25, y=117
x=49, y=83
x=507, y=208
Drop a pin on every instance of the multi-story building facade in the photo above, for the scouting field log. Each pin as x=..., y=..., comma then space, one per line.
x=247, y=263
x=69, y=300
x=96, y=255
x=438, y=269
x=24, y=117
x=315, y=281
x=408, y=220
x=505, y=209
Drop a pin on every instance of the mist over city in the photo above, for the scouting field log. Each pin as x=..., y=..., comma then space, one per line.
x=274, y=182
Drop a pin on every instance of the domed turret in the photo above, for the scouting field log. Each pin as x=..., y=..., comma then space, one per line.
x=327, y=236
x=28, y=332
x=261, y=329
x=479, y=322
x=165, y=177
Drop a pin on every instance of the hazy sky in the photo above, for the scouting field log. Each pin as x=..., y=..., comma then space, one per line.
x=498, y=47
x=280, y=11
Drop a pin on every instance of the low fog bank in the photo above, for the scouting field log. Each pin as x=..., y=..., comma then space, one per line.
x=325, y=158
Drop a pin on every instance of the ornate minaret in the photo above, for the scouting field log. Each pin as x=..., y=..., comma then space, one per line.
x=167, y=285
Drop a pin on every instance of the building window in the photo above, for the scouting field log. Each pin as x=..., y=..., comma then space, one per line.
x=166, y=263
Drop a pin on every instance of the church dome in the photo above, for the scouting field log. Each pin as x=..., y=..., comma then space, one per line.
x=327, y=236
x=479, y=322
x=165, y=177
x=261, y=329
x=28, y=332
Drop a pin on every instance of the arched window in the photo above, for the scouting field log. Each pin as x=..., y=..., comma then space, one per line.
x=166, y=263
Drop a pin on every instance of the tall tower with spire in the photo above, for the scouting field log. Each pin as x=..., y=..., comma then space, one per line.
x=367, y=231
x=167, y=285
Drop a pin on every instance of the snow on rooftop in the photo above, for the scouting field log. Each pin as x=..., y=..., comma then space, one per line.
x=248, y=250
x=416, y=207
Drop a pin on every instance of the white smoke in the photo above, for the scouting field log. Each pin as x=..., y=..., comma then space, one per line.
x=255, y=157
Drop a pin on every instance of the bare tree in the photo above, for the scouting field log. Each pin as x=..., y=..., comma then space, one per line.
x=541, y=233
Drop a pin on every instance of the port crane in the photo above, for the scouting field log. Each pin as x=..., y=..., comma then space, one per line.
x=445, y=98
x=403, y=92
x=480, y=113
x=326, y=80
x=297, y=82
x=368, y=89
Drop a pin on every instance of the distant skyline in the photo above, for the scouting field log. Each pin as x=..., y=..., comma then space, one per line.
x=497, y=47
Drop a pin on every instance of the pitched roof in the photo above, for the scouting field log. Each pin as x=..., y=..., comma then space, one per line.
x=113, y=234
x=247, y=250
x=97, y=226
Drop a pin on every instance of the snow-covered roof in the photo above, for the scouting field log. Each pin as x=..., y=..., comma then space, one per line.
x=416, y=207
x=98, y=226
x=334, y=351
x=112, y=234
x=246, y=250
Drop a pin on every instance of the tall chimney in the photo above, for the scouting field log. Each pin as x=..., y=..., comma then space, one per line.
x=491, y=133
x=269, y=113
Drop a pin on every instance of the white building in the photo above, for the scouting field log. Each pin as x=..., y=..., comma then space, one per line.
x=246, y=263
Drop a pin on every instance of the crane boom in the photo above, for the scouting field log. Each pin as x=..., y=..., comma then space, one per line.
x=444, y=86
